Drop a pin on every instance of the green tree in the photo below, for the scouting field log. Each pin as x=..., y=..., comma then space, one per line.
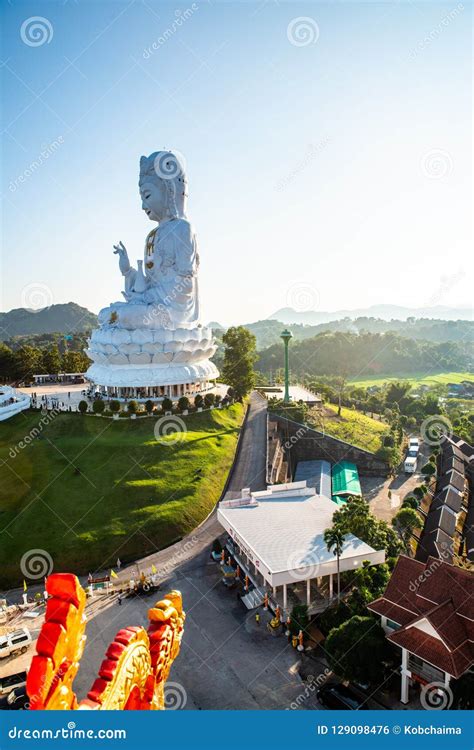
x=28, y=360
x=52, y=360
x=149, y=406
x=198, y=401
x=132, y=407
x=114, y=406
x=167, y=404
x=183, y=403
x=334, y=541
x=410, y=502
x=355, y=518
x=83, y=406
x=7, y=363
x=209, y=399
x=98, y=406
x=404, y=523
x=299, y=619
x=358, y=650
x=239, y=359
x=428, y=469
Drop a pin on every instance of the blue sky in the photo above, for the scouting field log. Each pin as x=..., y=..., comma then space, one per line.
x=327, y=174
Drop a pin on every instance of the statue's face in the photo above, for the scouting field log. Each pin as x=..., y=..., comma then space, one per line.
x=154, y=200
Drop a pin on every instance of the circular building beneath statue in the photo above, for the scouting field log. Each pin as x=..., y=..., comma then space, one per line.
x=153, y=382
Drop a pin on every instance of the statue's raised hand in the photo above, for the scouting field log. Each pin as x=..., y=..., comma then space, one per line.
x=124, y=263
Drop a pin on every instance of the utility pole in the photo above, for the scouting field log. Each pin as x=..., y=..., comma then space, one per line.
x=286, y=336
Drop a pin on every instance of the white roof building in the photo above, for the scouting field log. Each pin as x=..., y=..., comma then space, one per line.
x=281, y=532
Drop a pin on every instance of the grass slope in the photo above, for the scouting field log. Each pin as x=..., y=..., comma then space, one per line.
x=441, y=378
x=131, y=497
x=352, y=427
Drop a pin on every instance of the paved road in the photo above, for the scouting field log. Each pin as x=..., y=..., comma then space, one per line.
x=250, y=468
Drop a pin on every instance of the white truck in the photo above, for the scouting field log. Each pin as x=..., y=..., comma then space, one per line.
x=410, y=464
x=15, y=642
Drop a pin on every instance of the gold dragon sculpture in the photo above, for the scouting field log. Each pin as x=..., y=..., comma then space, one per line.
x=136, y=666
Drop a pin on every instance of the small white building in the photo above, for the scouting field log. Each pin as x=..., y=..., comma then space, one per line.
x=278, y=535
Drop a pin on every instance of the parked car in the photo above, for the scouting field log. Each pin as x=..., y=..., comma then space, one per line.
x=16, y=700
x=341, y=698
x=410, y=464
x=15, y=642
x=11, y=682
x=414, y=443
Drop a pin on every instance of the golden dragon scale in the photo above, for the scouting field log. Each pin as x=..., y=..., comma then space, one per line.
x=136, y=665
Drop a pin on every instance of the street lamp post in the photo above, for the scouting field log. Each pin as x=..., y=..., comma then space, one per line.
x=286, y=336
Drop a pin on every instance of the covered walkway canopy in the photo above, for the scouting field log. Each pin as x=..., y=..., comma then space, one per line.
x=345, y=481
x=316, y=474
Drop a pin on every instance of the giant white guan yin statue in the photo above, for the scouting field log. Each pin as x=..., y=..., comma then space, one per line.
x=154, y=337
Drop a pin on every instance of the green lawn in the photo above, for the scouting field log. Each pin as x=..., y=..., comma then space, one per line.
x=132, y=496
x=441, y=378
x=353, y=427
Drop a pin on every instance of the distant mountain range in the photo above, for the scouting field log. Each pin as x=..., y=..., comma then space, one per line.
x=68, y=318
x=385, y=312
x=432, y=324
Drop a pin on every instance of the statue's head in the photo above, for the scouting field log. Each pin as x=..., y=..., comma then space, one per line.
x=163, y=186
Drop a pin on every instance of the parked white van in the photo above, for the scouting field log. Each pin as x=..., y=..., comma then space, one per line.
x=410, y=464
x=15, y=642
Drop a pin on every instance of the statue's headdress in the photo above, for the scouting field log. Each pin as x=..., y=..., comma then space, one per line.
x=169, y=168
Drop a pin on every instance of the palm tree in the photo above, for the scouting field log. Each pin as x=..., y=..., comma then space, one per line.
x=334, y=540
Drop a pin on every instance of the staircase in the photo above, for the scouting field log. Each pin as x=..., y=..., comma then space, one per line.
x=254, y=598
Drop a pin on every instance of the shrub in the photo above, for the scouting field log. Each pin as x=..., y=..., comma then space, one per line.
x=419, y=492
x=114, y=406
x=183, y=403
x=98, y=406
x=132, y=407
x=299, y=619
x=83, y=406
x=388, y=441
x=428, y=469
x=148, y=406
x=209, y=399
x=167, y=404
x=198, y=401
x=410, y=502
